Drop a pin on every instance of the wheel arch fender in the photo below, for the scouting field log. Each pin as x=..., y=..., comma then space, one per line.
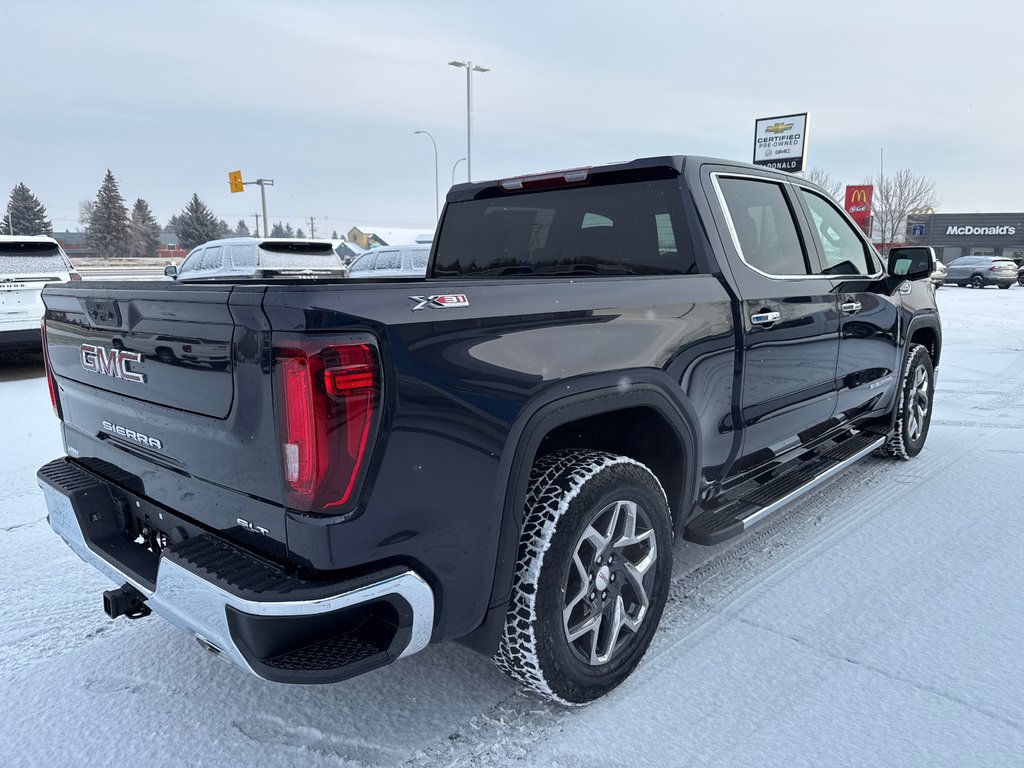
x=925, y=328
x=562, y=404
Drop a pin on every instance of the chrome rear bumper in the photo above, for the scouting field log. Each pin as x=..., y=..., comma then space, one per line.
x=188, y=598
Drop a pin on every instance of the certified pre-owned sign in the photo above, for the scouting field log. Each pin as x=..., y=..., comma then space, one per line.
x=781, y=142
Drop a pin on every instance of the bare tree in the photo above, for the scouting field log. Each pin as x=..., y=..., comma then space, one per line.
x=85, y=213
x=895, y=197
x=822, y=178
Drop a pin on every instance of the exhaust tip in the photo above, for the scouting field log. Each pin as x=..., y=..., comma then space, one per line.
x=206, y=645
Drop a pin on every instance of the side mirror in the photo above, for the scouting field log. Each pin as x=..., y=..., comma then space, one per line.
x=912, y=263
x=171, y=271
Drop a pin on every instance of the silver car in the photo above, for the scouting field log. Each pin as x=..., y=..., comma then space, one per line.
x=392, y=261
x=979, y=271
x=253, y=257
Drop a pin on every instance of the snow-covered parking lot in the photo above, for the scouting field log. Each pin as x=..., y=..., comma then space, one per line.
x=877, y=622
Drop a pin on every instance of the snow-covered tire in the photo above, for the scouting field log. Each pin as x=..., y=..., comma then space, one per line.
x=571, y=492
x=914, y=408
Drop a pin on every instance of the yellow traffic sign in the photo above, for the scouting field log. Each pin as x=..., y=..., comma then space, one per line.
x=235, y=179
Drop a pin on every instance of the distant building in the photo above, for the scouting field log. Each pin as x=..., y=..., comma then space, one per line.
x=969, y=234
x=374, y=237
x=76, y=246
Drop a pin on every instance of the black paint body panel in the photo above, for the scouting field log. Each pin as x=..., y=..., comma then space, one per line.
x=468, y=394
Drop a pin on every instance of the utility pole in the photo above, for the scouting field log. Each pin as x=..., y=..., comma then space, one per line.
x=263, y=184
x=312, y=228
x=881, y=186
x=10, y=221
x=257, y=233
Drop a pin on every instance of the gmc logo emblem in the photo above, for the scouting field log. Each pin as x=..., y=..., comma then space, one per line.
x=111, y=362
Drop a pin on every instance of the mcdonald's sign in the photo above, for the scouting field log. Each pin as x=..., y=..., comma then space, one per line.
x=858, y=205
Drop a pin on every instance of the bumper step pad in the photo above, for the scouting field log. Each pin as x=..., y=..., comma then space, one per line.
x=734, y=513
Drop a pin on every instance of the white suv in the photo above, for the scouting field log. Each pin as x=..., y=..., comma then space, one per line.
x=27, y=263
x=392, y=261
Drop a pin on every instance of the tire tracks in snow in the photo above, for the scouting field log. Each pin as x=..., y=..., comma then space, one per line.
x=514, y=727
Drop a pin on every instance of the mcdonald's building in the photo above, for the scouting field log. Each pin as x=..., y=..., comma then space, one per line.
x=969, y=234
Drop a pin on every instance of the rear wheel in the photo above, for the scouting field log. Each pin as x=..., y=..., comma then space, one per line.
x=595, y=561
x=1020, y=280
x=914, y=409
x=977, y=282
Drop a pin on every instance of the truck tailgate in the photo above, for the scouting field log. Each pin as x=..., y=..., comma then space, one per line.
x=149, y=379
x=166, y=347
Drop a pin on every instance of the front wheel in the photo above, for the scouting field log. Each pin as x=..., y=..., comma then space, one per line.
x=914, y=408
x=594, y=565
x=1020, y=280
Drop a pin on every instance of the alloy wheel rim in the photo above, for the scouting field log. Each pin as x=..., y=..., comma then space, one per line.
x=919, y=401
x=607, y=590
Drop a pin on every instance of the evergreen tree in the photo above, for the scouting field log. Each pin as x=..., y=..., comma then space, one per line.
x=242, y=230
x=145, y=231
x=196, y=224
x=277, y=230
x=108, y=220
x=224, y=229
x=26, y=214
x=288, y=231
x=300, y=234
x=171, y=227
x=334, y=235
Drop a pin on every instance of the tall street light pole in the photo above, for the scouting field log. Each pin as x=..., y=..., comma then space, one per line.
x=437, y=196
x=454, y=167
x=263, y=184
x=470, y=68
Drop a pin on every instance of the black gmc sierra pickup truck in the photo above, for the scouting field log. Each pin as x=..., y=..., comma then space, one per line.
x=321, y=477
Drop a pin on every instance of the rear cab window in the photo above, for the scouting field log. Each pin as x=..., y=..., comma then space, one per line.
x=625, y=228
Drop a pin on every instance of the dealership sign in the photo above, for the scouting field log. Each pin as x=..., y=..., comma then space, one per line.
x=858, y=205
x=781, y=142
x=1004, y=230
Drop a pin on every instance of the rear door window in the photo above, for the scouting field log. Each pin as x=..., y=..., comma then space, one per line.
x=389, y=259
x=242, y=258
x=630, y=228
x=418, y=259
x=362, y=263
x=764, y=228
x=212, y=258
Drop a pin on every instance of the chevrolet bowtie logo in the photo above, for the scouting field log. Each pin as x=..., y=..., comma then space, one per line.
x=778, y=128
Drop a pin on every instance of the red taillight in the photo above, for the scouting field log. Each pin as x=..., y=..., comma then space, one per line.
x=74, y=276
x=46, y=367
x=327, y=401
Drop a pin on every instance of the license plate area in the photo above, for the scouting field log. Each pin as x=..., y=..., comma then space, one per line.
x=130, y=532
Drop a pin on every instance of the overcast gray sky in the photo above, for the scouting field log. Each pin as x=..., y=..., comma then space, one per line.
x=324, y=96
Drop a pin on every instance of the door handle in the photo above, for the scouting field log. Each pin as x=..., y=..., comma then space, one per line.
x=849, y=307
x=765, y=318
